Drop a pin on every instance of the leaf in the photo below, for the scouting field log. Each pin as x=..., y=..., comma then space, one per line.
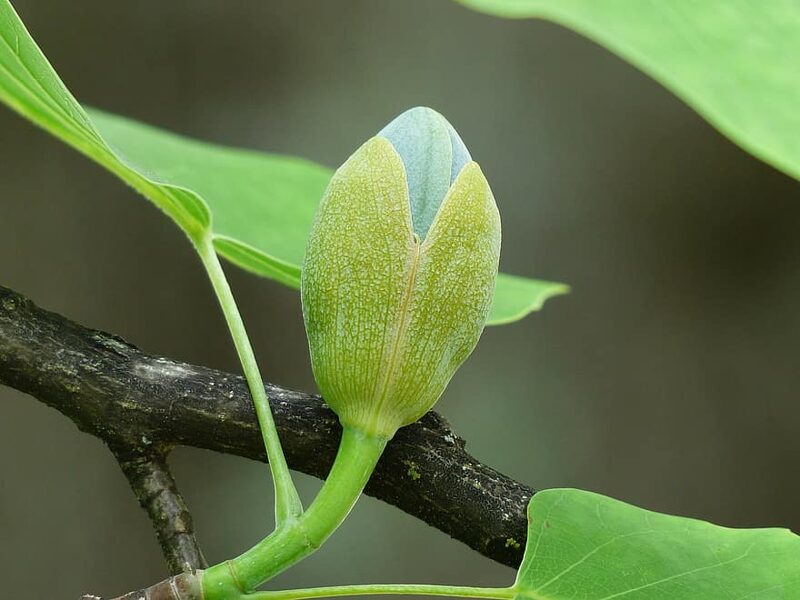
x=734, y=62
x=29, y=85
x=515, y=297
x=584, y=546
x=257, y=207
x=262, y=205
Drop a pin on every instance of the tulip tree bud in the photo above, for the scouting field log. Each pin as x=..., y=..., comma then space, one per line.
x=399, y=273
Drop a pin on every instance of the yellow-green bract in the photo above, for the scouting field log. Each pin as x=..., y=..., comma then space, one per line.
x=391, y=315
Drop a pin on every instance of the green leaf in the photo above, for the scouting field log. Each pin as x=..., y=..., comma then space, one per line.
x=256, y=207
x=584, y=546
x=515, y=297
x=734, y=61
x=29, y=85
x=261, y=205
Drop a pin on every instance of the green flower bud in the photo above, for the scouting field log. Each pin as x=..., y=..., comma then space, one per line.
x=399, y=273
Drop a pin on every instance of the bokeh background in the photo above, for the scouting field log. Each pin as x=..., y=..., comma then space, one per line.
x=668, y=378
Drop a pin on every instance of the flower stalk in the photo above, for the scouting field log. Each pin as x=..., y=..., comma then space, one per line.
x=358, y=454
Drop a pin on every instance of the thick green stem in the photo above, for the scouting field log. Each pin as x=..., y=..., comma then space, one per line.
x=357, y=457
x=287, y=501
x=385, y=589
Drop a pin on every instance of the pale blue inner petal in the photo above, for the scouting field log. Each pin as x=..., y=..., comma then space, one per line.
x=423, y=139
x=461, y=155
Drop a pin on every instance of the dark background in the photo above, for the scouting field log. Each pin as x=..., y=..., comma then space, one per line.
x=668, y=378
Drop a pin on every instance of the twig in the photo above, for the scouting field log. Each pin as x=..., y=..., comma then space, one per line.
x=155, y=488
x=112, y=390
x=184, y=586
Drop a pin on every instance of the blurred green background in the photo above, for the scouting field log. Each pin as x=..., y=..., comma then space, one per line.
x=668, y=378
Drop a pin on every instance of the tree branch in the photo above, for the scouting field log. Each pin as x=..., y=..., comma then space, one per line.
x=122, y=395
x=183, y=586
x=155, y=488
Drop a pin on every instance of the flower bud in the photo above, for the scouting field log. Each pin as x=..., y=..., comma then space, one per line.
x=399, y=273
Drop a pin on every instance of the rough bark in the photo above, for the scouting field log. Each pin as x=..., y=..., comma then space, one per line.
x=134, y=400
x=155, y=488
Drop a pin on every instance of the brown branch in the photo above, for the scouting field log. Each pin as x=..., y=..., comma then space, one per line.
x=118, y=393
x=155, y=488
x=184, y=586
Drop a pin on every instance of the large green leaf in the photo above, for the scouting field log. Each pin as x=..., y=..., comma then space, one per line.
x=584, y=546
x=736, y=62
x=256, y=207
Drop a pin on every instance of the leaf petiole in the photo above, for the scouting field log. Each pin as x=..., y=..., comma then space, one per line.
x=385, y=589
x=287, y=502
